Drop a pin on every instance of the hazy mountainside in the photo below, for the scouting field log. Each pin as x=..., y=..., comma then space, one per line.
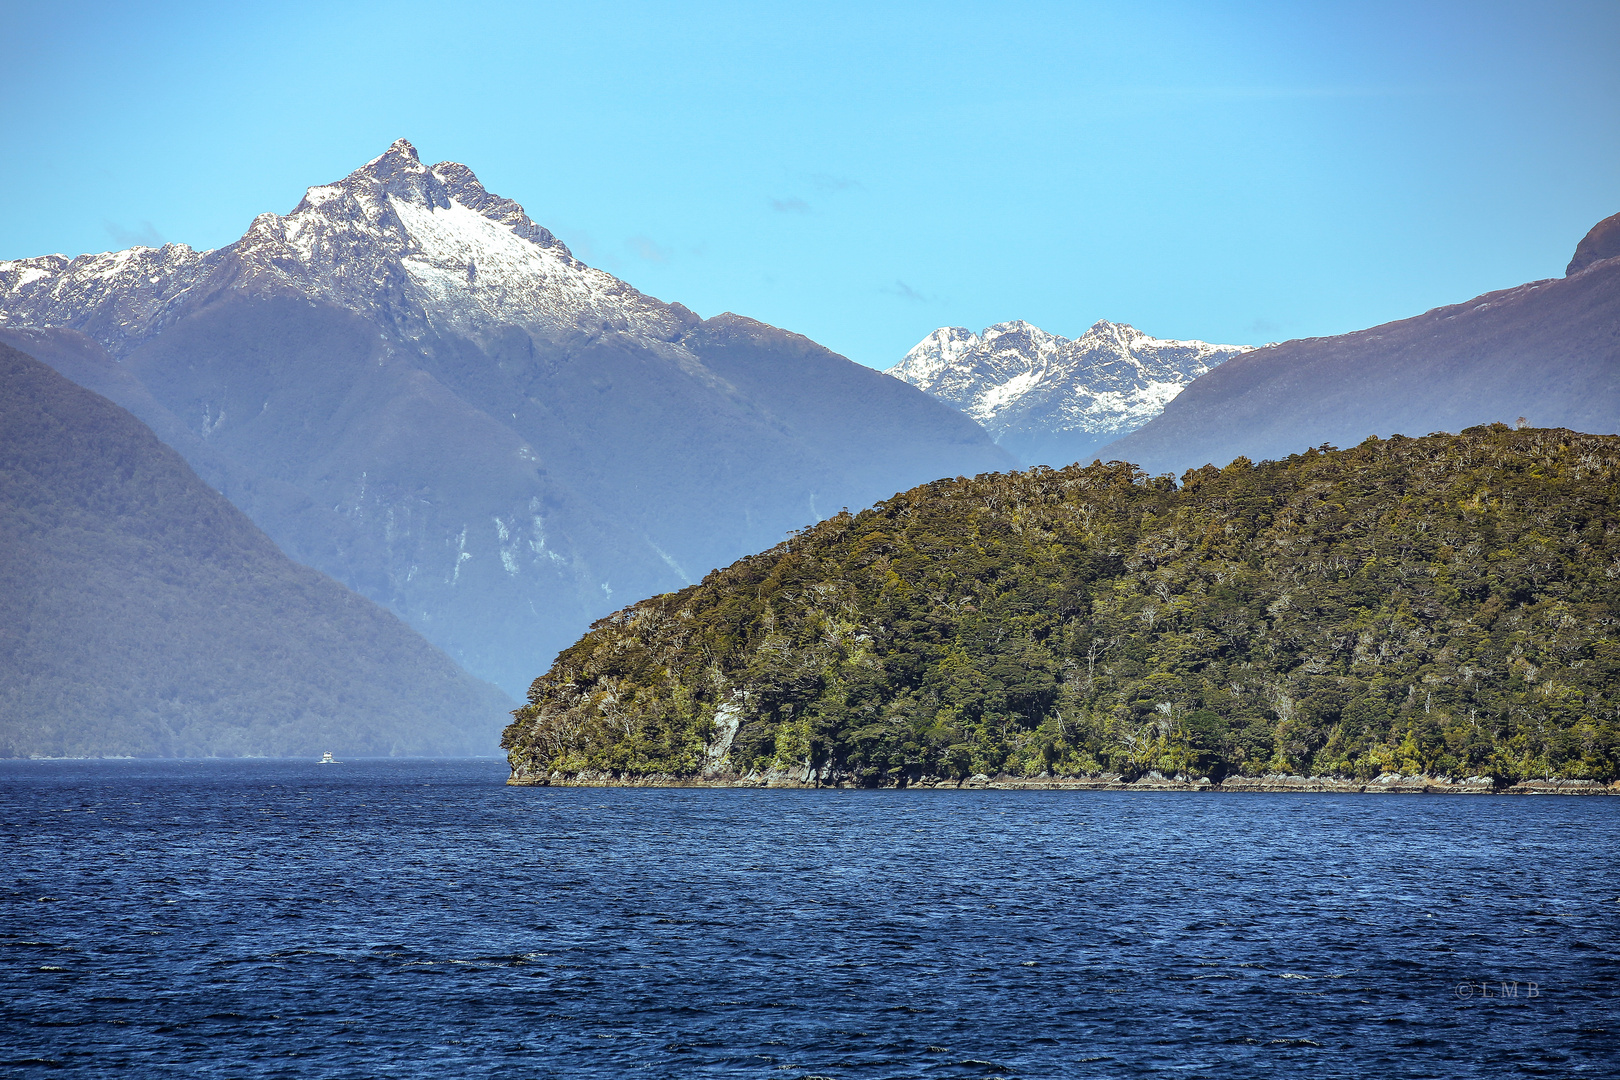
x=1051, y=400
x=416, y=389
x=1548, y=351
x=1445, y=605
x=141, y=614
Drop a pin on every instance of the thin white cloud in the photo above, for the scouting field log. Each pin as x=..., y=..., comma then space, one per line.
x=647, y=250
x=145, y=236
x=906, y=292
x=826, y=182
x=584, y=248
x=1269, y=93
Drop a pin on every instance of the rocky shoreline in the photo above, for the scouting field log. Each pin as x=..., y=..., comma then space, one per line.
x=808, y=778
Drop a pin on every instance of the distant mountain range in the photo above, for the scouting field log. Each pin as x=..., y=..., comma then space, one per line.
x=411, y=386
x=1547, y=351
x=141, y=614
x=1050, y=400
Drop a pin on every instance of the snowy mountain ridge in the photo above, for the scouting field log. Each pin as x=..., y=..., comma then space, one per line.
x=1041, y=395
x=417, y=248
x=412, y=387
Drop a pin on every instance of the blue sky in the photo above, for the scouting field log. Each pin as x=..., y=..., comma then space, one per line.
x=862, y=173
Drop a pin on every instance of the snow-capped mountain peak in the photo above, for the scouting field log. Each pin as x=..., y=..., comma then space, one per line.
x=1040, y=394
x=416, y=247
x=463, y=259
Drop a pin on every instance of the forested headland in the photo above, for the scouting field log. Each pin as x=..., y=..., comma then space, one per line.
x=1443, y=605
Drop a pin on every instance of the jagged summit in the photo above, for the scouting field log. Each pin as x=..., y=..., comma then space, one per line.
x=399, y=149
x=1049, y=399
x=419, y=248
x=399, y=175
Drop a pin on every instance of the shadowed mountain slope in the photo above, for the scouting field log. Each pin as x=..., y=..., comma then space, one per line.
x=414, y=388
x=141, y=614
x=1548, y=351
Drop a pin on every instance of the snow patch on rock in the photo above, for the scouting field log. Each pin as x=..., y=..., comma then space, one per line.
x=417, y=248
x=1015, y=378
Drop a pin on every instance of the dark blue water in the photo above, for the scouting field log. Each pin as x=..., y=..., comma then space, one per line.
x=421, y=919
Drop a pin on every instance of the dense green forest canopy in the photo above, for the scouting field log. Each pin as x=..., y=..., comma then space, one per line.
x=1441, y=605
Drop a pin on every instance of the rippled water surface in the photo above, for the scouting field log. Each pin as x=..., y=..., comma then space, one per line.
x=420, y=919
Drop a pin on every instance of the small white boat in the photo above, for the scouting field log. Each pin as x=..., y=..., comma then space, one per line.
x=328, y=759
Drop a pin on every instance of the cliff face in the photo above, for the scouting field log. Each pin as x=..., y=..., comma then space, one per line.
x=1444, y=606
x=141, y=614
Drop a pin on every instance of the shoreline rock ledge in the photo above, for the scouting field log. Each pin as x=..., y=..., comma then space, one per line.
x=808, y=777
